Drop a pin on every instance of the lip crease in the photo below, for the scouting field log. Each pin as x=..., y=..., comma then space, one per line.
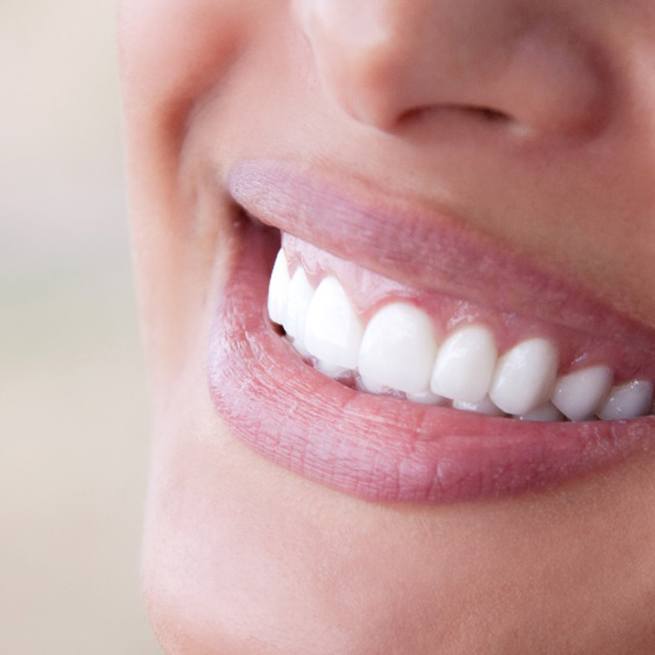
x=382, y=448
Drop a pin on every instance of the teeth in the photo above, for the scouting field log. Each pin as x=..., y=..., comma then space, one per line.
x=331, y=371
x=546, y=412
x=427, y=398
x=397, y=353
x=333, y=331
x=629, y=400
x=370, y=387
x=485, y=406
x=578, y=394
x=398, y=349
x=525, y=376
x=278, y=289
x=300, y=294
x=465, y=364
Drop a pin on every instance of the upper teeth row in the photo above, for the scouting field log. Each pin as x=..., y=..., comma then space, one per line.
x=398, y=350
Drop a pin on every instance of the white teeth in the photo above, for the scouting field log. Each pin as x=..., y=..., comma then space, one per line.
x=397, y=353
x=544, y=413
x=525, y=376
x=465, y=364
x=628, y=400
x=427, y=398
x=331, y=371
x=399, y=348
x=577, y=395
x=333, y=330
x=369, y=386
x=485, y=406
x=278, y=289
x=300, y=294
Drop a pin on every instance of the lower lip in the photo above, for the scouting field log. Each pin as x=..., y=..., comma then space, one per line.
x=375, y=447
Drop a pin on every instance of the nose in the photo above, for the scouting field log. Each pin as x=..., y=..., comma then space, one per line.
x=384, y=61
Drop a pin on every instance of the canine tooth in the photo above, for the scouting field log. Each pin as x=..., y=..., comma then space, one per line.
x=546, y=412
x=278, y=289
x=577, y=395
x=299, y=296
x=628, y=400
x=427, y=398
x=485, y=406
x=465, y=364
x=398, y=348
x=525, y=376
x=333, y=331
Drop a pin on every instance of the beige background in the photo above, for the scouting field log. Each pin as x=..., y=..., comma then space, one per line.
x=73, y=414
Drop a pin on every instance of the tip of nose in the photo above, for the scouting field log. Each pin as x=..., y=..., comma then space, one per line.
x=539, y=81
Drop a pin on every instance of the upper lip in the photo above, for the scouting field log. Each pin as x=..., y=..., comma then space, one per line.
x=421, y=246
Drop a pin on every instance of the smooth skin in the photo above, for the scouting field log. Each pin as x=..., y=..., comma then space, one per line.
x=537, y=122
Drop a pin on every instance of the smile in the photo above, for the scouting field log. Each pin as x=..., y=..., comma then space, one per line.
x=383, y=337
x=404, y=359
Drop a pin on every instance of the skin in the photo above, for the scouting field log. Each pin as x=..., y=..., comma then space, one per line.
x=243, y=557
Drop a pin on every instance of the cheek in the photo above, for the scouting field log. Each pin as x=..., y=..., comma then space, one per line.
x=172, y=53
x=173, y=50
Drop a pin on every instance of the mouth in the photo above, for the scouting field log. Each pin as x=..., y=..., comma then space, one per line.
x=392, y=354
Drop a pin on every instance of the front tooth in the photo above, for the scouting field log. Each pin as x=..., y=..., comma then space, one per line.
x=546, y=412
x=465, y=364
x=299, y=297
x=484, y=406
x=577, y=395
x=398, y=349
x=525, y=376
x=278, y=289
x=333, y=331
x=628, y=400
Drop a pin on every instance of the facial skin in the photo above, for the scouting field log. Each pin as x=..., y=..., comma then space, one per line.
x=244, y=557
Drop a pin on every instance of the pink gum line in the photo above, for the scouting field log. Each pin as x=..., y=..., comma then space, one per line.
x=368, y=291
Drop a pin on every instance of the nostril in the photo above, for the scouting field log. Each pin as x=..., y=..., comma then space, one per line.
x=481, y=114
x=491, y=115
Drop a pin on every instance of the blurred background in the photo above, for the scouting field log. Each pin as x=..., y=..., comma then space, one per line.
x=73, y=407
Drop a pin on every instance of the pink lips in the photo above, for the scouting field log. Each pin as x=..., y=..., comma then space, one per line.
x=382, y=448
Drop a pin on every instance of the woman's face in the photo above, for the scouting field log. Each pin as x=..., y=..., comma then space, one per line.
x=467, y=193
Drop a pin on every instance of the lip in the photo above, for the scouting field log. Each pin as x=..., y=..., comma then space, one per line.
x=374, y=447
x=422, y=247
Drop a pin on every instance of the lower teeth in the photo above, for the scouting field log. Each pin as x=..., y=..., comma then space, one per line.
x=545, y=413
